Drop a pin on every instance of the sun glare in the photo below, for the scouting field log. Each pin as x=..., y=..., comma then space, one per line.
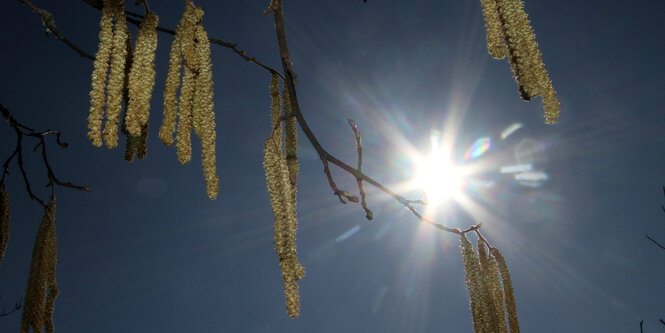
x=437, y=176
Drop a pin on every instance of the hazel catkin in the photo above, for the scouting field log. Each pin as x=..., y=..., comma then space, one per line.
x=38, y=308
x=5, y=212
x=142, y=75
x=283, y=203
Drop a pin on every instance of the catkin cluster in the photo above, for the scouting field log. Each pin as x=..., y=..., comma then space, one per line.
x=190, y=54
x=5, y=209
x=490, y=287
x=42, y=288
x=509, y=32
x=281, y=178
x=108, y=75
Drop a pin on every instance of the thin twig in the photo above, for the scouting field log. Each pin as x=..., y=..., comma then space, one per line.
x=656, y=242
x=22, y=131
x=49, y=24
x=17, y=306
x=359, y=147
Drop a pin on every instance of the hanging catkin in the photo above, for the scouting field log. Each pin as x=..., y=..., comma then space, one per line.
x=509, y=296
x=110, y=58
x=38, y=308
x=492, y=289
x=5, y=209
x=282, y=201
x=494, y=36
x=508, y=26
x=193, y=109
x=479, y=311
x=142, y=75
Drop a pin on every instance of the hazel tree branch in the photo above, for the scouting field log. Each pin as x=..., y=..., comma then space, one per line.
x=49, y=24
x=21, y=131
x=275, y=8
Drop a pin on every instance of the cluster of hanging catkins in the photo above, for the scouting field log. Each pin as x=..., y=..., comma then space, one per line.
x=42, y=288
x=281, y=166
x=490, y=289
x=120, y=74
x=509, y=32
x=191, y=51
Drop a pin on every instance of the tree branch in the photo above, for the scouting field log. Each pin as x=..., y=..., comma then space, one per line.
x=22, y=131
x=49, y=24
x=275, y=8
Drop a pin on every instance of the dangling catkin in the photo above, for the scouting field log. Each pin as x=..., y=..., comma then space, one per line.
x=523, y=53
x=283, y=206
x=473, y=273
x=492, y=290
x=291, y=141
x=508, y=293
x=142, y=75
x=203, y=117
x=5, y=210
x=101, y=65
x=38, y=308
x=194, y=107
x=116, y=76
x=494, y=36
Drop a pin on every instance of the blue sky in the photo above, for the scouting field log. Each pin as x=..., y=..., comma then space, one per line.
x=146, y=251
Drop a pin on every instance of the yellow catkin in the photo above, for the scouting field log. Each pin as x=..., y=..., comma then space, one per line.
x=101, y=65
x=525, y=57
x=5, y=212
x=291, y=142
x=283, y=206
x=38, y=305
x=492, y=290
x=116, y=76
x=172, y=83
x=204, y=114
x=508, y=293
x=494, y=36
x=183, y=136
x=142, y=75
x=473, y=273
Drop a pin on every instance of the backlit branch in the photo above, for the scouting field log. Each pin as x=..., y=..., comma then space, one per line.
x=49, y=24
x=21, y=131
x=275, y=8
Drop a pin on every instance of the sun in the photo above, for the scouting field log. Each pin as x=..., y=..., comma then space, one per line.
x=437, y=176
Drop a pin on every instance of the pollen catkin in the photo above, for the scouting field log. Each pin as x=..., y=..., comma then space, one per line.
x=283, y=206
x=194, y=108
x=142, y=75
x=5, y=210
x=494, y=36
x=492, y=290
x=116, y=76
x=203, y=117
x=291, y=142
x=38, y=308
x=473, y=273
x=523, y=54
x=101, y=65
x=508, y=293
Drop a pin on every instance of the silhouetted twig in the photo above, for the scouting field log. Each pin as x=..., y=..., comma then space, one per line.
x=21, y=131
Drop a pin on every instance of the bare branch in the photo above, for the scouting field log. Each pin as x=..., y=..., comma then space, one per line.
x=656, y=242
x=22, y=131
x=49, y=24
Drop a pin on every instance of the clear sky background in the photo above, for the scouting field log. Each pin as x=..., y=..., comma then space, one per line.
x=146, y=251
